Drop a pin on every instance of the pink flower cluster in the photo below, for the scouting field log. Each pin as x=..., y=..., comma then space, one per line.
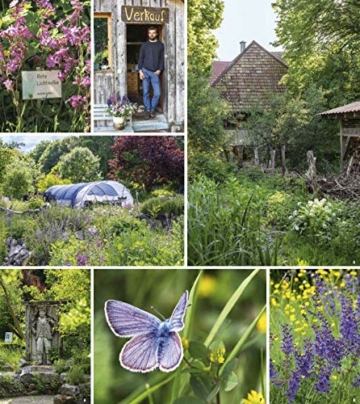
x=61, y=44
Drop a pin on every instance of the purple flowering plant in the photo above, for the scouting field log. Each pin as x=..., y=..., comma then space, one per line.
x=46, y=35
x=120, y=106
x=315, y=336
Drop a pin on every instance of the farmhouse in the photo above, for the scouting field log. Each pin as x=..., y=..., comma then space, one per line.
x=250, y=77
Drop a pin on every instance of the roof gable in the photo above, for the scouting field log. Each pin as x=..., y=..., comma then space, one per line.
x=251, y=75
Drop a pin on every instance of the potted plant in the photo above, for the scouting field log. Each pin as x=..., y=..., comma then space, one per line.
x=119, y=108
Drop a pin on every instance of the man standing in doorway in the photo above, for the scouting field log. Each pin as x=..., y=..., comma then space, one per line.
x=151, y=64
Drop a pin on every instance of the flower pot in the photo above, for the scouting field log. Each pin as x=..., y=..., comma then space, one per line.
x=119, y=122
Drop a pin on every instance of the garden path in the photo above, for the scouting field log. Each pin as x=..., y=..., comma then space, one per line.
x=28, y=400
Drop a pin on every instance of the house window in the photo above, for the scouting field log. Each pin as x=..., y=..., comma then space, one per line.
x=102, y=40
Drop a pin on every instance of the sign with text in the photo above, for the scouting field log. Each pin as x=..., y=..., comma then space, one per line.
x=8, y=337
x=144, y=15
x=41, y=84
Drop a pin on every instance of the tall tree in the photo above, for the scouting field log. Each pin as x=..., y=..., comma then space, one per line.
x=53, y=152
x=204, y=16
x=101, y=147
x=321, y=40
x=206, y=110
x=80, y=165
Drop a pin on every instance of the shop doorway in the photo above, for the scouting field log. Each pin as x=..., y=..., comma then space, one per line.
x=136, y=34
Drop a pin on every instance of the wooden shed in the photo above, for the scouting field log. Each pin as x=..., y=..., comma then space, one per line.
x=349, y=120
x=120, y=27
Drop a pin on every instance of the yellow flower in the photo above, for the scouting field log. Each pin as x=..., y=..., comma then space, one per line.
x=217, y=355
x=261, y=324
x=254, y=398
x=207, y=286
x=185, y=343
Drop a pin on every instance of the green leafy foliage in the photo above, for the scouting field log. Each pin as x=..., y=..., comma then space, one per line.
x=256, y=218
x=80, y=165
x=321, y=42
x=164, y=205
x=294, y=122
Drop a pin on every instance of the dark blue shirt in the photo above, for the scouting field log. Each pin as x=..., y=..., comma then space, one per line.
x=151, y=56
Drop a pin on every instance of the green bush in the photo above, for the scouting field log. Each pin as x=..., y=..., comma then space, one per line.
x=75, y=375
x=210, y=166
x=61, y=366
x=35, y=202
x=162, y=205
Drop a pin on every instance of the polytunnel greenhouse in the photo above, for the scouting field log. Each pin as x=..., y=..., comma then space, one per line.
x=80, y=195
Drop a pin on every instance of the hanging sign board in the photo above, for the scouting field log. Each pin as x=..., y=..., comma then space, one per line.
x=8, y=337
x=144, y=15
x=41, y=84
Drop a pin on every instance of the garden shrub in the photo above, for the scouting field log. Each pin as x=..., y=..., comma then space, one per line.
x=75, y=375
x=164, y=205
x=210, y=166
x=35, y=202
x=62, y=365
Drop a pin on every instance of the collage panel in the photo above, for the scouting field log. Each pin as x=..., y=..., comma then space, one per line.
x=45, y=66
x=139, y=66
x=273, y=133
x=92, y=200
x=315, y=336
x=45, y=344
x=179, y=336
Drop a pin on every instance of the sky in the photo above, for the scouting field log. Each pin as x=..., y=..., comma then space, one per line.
x=245, y=20
x=30, y=140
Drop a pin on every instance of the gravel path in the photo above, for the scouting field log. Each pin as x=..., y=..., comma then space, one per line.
x=28, y=400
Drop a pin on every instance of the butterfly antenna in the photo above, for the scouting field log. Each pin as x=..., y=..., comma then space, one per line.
x=153, y=308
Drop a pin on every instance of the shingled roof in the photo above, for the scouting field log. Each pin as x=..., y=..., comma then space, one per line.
x=354, y=108
x=250, y=77
x=217, y=67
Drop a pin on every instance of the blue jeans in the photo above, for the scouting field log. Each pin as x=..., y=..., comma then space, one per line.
x=154, y=80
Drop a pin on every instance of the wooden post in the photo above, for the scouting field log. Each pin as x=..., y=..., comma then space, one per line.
x=311, y=173
x=342, y=151
x=283, y=160
x=256, y=153
x=272, y=159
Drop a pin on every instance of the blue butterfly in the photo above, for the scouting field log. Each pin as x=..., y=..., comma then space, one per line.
x=155, y=343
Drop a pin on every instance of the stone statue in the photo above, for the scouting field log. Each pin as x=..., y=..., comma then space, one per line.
x=42, y=329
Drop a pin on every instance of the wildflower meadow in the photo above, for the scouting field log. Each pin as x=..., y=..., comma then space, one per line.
x=315, y=336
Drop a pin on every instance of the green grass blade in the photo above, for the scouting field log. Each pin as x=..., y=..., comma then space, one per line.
x=148, y=391
x=228, y=307
x=189, y=318
x=243, y=339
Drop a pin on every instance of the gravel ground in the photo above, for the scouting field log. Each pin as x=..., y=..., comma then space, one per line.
x=28, y=400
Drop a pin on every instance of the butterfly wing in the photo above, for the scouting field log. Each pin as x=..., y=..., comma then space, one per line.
x=177, y=317
x=140, y=353
x=126, y=320
x=171, y=354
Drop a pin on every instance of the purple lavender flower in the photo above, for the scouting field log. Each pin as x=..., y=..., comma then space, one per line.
x=81, y=260
x=294, y=384
x=356, y=381
x=323, y=382
x=274, y=375
x=287, y=345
